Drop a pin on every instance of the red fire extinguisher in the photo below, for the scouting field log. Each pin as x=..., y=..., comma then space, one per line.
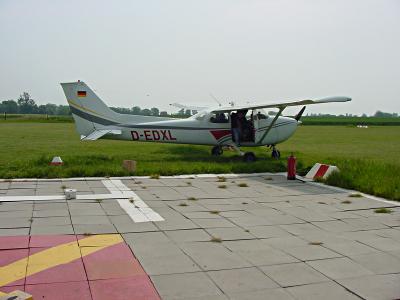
x=291, y=167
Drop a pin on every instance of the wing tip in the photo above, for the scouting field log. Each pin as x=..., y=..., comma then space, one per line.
x=334, y=99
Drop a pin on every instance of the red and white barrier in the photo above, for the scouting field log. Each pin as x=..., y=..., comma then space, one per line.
x=321, y=170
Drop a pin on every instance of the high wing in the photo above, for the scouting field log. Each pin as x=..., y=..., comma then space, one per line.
x=282, y=105
x=95, y=135
x=178, y=105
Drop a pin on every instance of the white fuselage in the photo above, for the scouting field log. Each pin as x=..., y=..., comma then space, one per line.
x=201, y=131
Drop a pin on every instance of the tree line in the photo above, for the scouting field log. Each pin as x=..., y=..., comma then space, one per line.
x=26, y=105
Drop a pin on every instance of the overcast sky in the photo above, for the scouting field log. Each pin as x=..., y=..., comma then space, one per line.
x=151, y=53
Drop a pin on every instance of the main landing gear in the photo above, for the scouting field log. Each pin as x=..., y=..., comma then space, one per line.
x=247, y=156
x=217, y=151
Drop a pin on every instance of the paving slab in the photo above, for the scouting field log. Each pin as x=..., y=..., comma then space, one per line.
x=378, y=262
x=259, y=253
x=241, y=280
x=58, y=229
x=337, y=268
x=68, y=290
x=134, y=288
x=213, y=256
x=311, y=252
x=375, y=286
x=14, y=242
x=231, y=233
x=14, y=231
x=191, y=235
x=184, y=286
x=90, y=220
x=116, y=261
x=213, y=223
x=266, y=294
x=293, y=274
x=51, y=221
x=264, y=232
x=94, y=228
x=325, y=290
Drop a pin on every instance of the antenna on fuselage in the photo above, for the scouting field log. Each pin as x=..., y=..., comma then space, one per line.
x=216, y=100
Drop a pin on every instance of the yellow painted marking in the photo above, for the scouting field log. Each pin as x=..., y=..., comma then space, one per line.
x=52, y=257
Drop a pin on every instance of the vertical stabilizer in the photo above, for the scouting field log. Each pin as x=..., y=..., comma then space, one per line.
x=89, y=111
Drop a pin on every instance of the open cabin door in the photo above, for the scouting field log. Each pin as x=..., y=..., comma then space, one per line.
x=257, y=117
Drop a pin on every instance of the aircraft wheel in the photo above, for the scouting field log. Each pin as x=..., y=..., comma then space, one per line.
x=217, y=151
x=249, y=157
x=276, y=154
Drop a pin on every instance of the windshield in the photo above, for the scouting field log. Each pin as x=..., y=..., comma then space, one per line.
x=199, y=115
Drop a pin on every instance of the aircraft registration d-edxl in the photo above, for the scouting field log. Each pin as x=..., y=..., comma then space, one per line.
x=218, y=127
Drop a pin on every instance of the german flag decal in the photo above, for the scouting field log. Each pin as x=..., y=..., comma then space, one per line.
x=81, y=93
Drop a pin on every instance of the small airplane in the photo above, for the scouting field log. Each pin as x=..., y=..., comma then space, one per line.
x=221, y=127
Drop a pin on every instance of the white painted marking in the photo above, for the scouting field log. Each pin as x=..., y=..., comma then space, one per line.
x=138, y=210
x=115, y=195
x=31, y=198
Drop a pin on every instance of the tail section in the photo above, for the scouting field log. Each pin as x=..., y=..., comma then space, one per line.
x=89, y=112
x=93, y=118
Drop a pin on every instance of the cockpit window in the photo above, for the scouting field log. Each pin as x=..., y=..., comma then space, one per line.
x=261, y=116
x=219, y=118
x=199, y=116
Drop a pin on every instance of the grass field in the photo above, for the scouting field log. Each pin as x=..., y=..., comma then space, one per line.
x=369, y=159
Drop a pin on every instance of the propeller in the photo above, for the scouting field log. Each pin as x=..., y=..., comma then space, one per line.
x=298, y=116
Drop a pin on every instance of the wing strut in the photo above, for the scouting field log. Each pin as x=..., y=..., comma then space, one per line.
x=281, y=108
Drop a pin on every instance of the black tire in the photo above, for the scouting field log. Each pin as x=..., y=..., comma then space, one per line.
x=249, y=157
x=216, y=151
x=276, y=154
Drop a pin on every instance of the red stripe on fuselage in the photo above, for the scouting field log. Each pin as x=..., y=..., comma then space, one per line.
x=220, y=133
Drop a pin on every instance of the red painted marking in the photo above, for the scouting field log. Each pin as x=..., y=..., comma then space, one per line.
x=220, y=133
x=60, y=291
x=321, y=171
x=14, y=242
x=113, y=262
x=12, y=288
x=40, y=241
x=9, y=256
x=132, y=288
x=112, y=273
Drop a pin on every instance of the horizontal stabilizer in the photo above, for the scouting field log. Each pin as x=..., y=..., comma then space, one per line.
x=95, y=135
